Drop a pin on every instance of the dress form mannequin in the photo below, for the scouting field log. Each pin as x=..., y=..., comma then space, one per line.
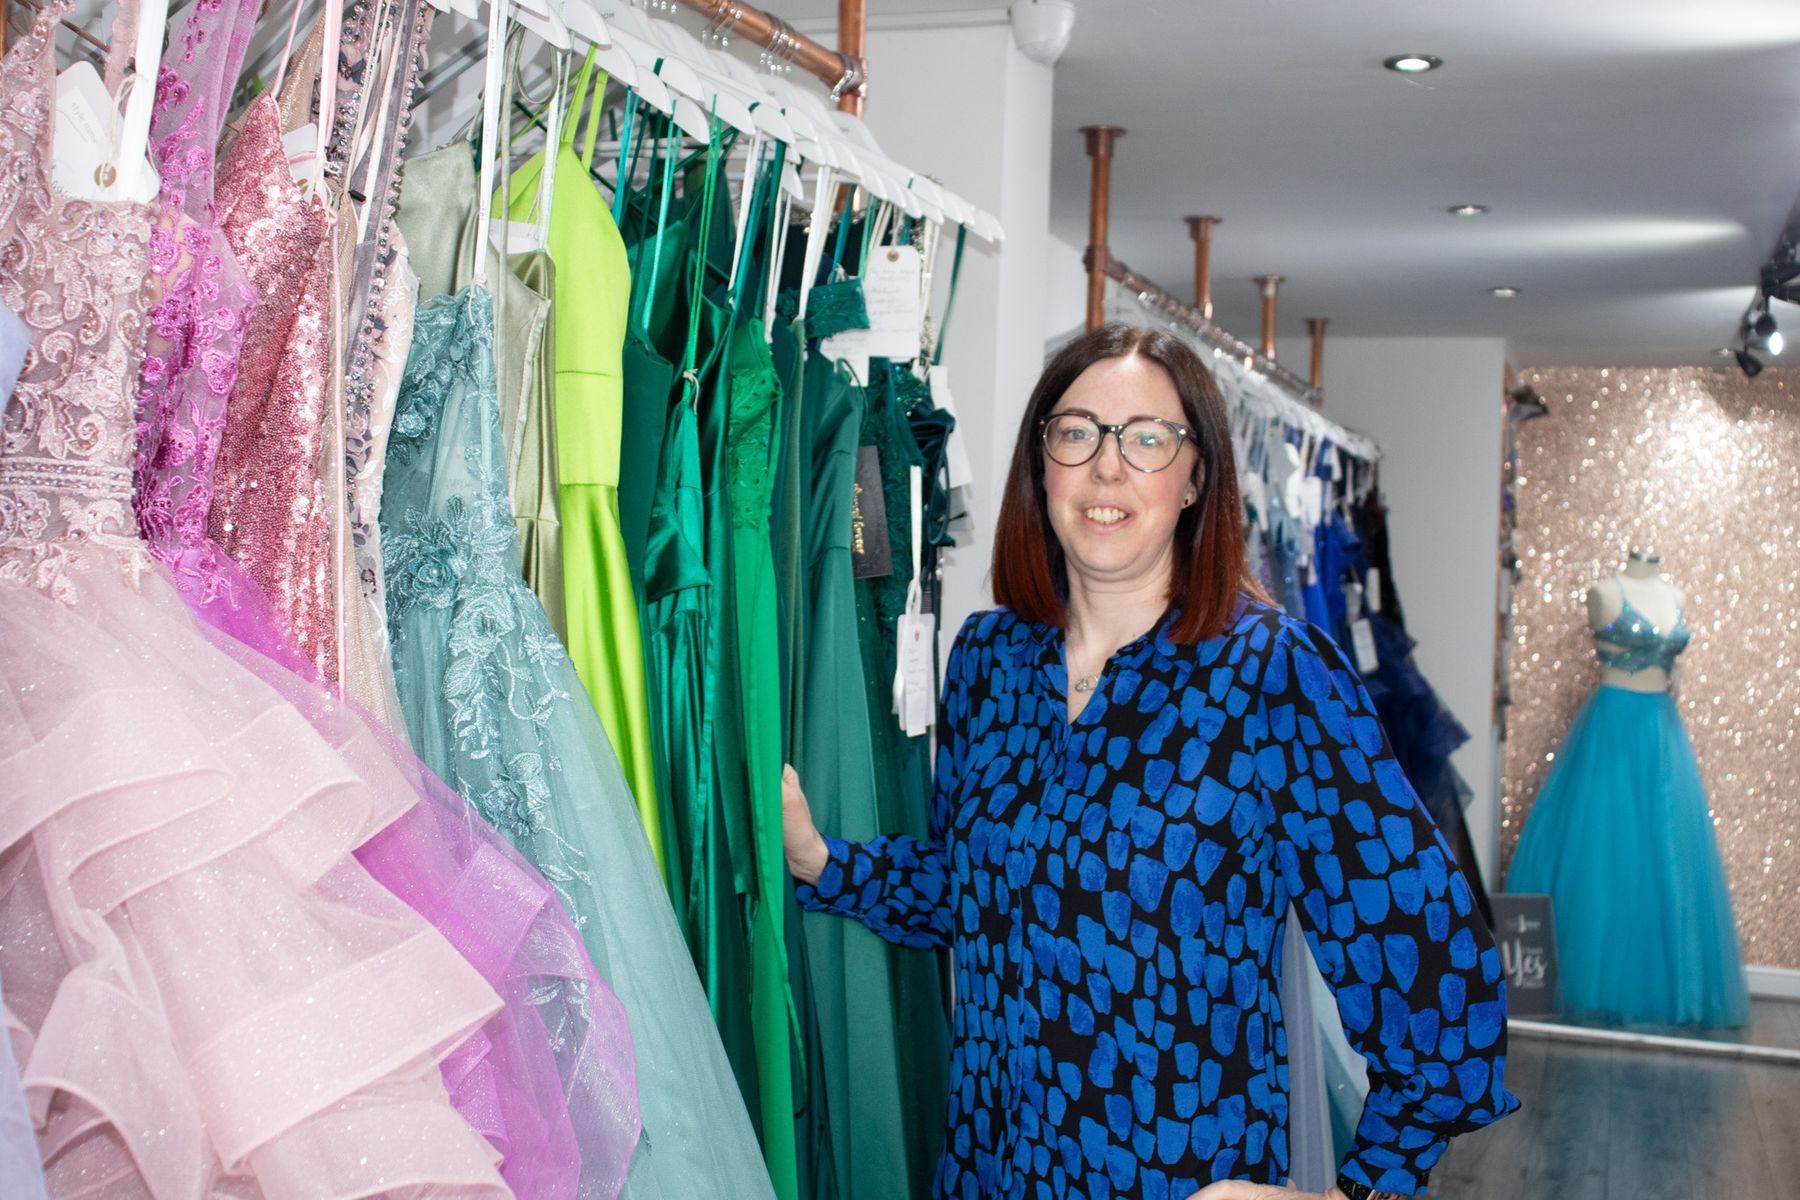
x=1640, y=584
x=1621, y=837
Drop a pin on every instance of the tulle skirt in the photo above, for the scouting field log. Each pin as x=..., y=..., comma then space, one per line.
x=1621, y=840
x=218, y=975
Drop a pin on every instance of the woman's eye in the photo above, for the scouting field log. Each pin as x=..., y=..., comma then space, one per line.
x=1073, y=433
x=1149, y=439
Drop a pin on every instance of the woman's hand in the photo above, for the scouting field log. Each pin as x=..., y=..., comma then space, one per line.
x=1233, y=1189
x=800, y=839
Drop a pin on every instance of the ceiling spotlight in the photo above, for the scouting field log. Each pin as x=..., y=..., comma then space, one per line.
x=1760, y=332
x=1467, y=210
x=1413, y=64
x=1503, y=293
x=1748, y=361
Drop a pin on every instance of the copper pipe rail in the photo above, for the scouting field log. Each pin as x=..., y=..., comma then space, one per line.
x=1268, y=285
x=1100, y=139
x=1316, y=327
x=845, y=74
x=1201, y=230
x=1221, y=340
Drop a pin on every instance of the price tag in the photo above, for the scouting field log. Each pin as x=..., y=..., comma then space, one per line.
x=1372, y=590
x=890, y=284
x=1362, y=638
x=851, y=348
x=300, y=145
x=916, y=700
x=517, y=237
x=86, y=130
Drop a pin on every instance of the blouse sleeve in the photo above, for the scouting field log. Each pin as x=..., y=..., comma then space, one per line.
x=1390, y=919
x=899, y=885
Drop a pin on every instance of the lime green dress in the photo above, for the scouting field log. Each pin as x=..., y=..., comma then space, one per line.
x=593, y=289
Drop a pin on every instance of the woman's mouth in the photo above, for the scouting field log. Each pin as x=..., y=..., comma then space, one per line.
x=1105, y=515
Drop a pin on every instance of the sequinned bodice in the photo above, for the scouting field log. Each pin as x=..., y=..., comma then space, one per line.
x=1630, y=642
x=75, y=271
x=270, y=501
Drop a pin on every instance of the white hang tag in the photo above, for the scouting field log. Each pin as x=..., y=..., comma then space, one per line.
x=851, y=348
x=1256, y=494
x=517, y=237
x=1372, y=590
x=915, y=646
x=890, y=284
x=86, y=132
x=1314, y=494
x=956, y=450
x=914, y=697
x=1362, y=638
x=300, y=145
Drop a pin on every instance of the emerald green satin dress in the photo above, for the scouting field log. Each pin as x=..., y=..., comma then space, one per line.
x=903, y=779
x=850, y=969
x=593, y=289
x=710, y=626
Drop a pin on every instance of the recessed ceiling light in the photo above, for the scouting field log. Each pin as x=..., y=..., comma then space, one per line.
x=1467, y=210
x=1503, y=292
x=1413, y=64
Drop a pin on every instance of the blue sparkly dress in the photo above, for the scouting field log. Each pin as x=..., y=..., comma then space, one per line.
x=1621, y=840
x=1114, y=892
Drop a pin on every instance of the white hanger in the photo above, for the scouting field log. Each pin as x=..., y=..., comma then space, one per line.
x=493, y=81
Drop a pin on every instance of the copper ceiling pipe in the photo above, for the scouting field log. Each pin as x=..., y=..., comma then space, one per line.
x=1268, y=284
x=1316, y=327
x=1201, y=230
x=845, y=75
x=1100, y=139
x=853, y=44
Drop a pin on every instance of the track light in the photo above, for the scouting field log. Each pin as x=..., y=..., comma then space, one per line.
x=1760, y=332
x=1752, y=367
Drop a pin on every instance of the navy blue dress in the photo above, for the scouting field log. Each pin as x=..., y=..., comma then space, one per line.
x=1113, y=893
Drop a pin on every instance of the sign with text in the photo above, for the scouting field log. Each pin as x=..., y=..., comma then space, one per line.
x=1525, y=928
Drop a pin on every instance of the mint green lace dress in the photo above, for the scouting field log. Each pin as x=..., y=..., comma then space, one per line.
x=495, y=706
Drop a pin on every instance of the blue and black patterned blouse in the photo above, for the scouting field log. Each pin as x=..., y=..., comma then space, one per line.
x=1114, y=893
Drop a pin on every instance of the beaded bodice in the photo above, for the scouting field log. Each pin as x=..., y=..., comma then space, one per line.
x=75, y=271
x=1631, y=642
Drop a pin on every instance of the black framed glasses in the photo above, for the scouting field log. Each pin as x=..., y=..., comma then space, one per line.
x=1147, y=443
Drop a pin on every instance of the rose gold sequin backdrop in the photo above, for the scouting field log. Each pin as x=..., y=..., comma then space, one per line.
x=1704, y=465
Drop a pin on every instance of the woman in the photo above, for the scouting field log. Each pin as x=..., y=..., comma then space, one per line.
x=1141, y=763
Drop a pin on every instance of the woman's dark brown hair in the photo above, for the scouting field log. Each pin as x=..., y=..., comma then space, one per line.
x=1030, y=575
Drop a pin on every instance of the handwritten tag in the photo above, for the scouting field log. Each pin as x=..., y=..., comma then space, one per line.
x=891, y=292
x=851, y=348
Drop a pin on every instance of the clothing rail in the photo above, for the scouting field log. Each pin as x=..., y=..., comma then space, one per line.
x=1219, y=339
x=1242, y=374
x=845, y=71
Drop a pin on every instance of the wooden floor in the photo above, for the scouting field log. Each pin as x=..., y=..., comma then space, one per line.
x=1616, y=1123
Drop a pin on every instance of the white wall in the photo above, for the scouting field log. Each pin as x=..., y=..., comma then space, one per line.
x=1065, y=293
x=1436, y=407
x=961, y=104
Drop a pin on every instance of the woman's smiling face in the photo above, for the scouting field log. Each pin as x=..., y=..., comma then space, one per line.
x=1115, y=523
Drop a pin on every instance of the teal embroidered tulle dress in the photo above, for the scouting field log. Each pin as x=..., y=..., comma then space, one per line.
x=495, y=706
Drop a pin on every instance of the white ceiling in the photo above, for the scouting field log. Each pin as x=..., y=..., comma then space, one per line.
x=1640, y=158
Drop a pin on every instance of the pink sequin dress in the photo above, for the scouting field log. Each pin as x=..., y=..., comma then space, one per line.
x=219, y=980
x=271, y=502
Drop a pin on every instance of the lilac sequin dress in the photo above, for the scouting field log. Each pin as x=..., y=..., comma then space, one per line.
x=196, y=332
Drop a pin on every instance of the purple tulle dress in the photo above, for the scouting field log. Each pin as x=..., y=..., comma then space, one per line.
x=550, y=1080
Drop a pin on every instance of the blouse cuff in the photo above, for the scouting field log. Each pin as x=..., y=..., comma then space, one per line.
x=828, y=894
